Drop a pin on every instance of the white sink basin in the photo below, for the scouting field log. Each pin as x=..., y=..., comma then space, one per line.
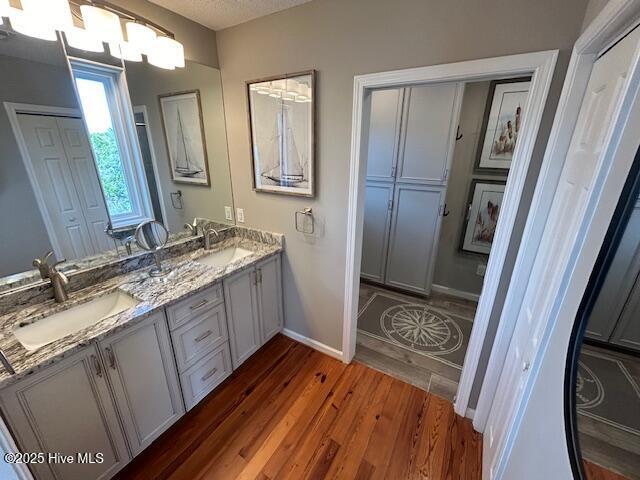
x=224, y=257
x=54, y=327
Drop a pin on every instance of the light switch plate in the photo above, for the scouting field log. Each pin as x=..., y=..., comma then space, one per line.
x=481, y=269
x=228, y=213
x=240, y=215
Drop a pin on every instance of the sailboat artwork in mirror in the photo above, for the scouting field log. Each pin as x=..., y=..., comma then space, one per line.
x=184, y=134
x=281, y=120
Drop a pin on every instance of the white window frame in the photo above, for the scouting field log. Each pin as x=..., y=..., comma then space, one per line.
x=124, y=127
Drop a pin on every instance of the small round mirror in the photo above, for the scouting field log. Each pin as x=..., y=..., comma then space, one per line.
x=151, y=235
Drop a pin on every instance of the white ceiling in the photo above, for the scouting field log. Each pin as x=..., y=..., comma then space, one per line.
x=219, y=14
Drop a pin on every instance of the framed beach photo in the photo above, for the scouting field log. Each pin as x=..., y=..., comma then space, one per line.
x=281, y=124
x=184, y=135
x=502, y=122
x=485, y=203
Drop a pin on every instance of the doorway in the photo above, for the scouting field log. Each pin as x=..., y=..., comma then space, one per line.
x=537, y=65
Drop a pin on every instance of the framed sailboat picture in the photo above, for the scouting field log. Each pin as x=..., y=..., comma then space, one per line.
x=281, y=123
x=184, y=135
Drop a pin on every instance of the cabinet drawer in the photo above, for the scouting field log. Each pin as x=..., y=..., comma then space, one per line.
x=205, y=375
x=199, y=336
x=186, y=309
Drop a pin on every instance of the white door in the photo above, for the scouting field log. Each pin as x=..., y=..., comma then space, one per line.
x=270, y=297
x=241, y=303
x=142, y=370
x=65, y=175
x=85, y=176
x=431, y=118
x=413, y=240
x=592, y=133
x=378, y=202
x=67, y=408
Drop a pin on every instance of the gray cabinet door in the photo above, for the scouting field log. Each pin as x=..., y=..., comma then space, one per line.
x=270, y=297
x=415, y=228
x=67, y=408
x=618, y=283
x=428, y=134
x=142, y=371
x=241, y=303
x=375, y=231
x=384, y=132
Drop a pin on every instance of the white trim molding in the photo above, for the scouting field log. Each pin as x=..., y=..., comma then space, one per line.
x=310, y=342
x=540, y=65
x=615, y=18
x=453, y=292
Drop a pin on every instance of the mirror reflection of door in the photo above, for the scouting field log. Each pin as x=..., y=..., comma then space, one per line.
x=65, y=174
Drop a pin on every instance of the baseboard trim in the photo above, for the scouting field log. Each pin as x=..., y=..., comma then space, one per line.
x=455, y=293
x=310, y=342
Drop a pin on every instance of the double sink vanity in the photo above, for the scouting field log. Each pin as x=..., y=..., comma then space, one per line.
x=111, y=368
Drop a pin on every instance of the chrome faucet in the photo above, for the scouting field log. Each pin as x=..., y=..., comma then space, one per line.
x=192, y=227
x=59, y=282
x=128, y=242
x=207, y=237
x=42, y=264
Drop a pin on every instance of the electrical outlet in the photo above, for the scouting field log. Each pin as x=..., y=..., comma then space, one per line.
x=240, y=215
x=481, y=269
x=228, y=213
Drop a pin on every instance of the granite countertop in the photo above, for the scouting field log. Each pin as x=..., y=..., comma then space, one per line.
x=186, y=278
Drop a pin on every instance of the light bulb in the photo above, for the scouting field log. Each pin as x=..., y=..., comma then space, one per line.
x=5, y=8
x=102, y=24
x=173, y=49
x=31, y=25
x=141, y=36
x=159, y=56
x=125, y=51
x=55, y=13
x=83, y=40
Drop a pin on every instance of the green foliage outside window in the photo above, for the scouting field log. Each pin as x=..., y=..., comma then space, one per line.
x=105, y=148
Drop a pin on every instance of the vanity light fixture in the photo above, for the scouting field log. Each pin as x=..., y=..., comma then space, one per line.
x=31, y=25
x=125, y=51
x=56, y=14
x=141, y=36
x=83, y=40
x=263, y=88
x=104, y=24
x=5, y=8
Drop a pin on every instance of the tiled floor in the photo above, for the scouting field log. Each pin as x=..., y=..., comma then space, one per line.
x=419, y=370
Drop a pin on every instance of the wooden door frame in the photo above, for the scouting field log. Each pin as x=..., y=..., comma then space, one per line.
x=614, y=21
x=13, y=110
x=538, y=64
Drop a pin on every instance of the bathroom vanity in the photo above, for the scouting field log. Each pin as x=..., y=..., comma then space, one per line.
x=153, y=350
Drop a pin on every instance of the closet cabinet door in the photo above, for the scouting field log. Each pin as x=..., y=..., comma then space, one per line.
x=142, y=371
x=67, y=408
x=627, y=332
x=270, y=297
x=430, y=122
x=414, y=237
x=375, y=232
x=384, y=131
x=241, y=303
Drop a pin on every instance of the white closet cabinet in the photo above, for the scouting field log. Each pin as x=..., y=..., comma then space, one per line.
x=253, y=299
x=377, y=217
x=410, y=148
x=414, y=234
x=68, y=408
x=140, y=365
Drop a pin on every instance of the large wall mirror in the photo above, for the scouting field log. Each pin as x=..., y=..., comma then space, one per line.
x=92, y=145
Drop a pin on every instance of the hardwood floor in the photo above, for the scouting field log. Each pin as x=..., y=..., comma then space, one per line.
x=292, y=412
x=596, y=472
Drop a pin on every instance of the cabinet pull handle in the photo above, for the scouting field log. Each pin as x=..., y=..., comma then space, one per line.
x=259, y=275
x=255, y=278
x=199, y=304
x=96, y=365
x=203, y=335
x=111, y=357
x=209, y=374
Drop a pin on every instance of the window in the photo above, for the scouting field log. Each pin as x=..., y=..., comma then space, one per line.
x=119, y=162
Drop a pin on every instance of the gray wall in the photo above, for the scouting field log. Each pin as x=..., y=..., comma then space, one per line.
x=454, y=268
x=594, y=7
x=342, y=38
x=23, y=235
x=146, y=82
x=199, y=41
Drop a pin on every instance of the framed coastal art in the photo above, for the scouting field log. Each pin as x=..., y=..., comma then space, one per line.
x=485, y=203
x=184, y=135
x=282, y=129
x=503, y=116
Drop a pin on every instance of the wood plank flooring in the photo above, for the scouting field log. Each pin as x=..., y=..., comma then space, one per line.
x=292, y=412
